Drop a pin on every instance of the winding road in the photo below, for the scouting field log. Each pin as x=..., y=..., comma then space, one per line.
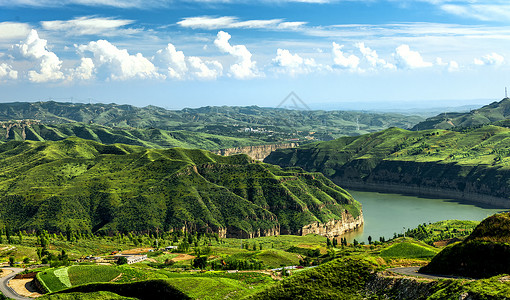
x=6, y=290
x=413, y=271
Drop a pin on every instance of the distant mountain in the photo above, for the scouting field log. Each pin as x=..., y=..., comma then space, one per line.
x=266, y=124
x=487, y=114
x=470, y=165
x=485, y=253
x=95, y=187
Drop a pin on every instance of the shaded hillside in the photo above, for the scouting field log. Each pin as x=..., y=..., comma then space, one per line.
x=268, y=124
x=485, y=253
x=94, y=187
x=149, y=137
x=472, y=165
x=487, y=114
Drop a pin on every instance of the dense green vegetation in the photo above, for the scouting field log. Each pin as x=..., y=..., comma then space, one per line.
x=88, y=186
x=442, y=230
x=146, y=137
x=484, y=253
x=262, y=124
x=474, y=161
x=488, y=114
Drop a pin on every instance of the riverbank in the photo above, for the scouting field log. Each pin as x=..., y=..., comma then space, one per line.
x=482, y=200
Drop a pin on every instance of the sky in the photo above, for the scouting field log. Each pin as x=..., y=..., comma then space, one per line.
x=332, y=53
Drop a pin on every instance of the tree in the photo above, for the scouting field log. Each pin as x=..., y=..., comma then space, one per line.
x=200, y=262
x=11, y=261
x=8, y=233
x=69, y=232
x=369, y=239
x=122, y=260
x=26, y=260
x=328, y=242
x=335, y=242
x=355, y=242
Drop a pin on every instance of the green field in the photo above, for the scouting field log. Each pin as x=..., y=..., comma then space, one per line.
x=410, y=250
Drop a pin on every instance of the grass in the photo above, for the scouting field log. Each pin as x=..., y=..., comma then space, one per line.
x=88, y=296
x=276, y=258
x=87, y=274
x=409, y=250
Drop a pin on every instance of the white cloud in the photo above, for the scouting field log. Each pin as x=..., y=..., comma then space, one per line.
x=11, y=30
x=118, y=64
x=483, y=12
x=451, y=66
x=492, y=59
x=90, y=26
x=172, y=61
x=7, y=72
x=293, y=63
x=373, y=58
x=343, y=61
x=214, y=23
x=204, y=70
x=409, y=59
x=84, y=71
x=49, y=64
x=59, y=3
x=245, y=68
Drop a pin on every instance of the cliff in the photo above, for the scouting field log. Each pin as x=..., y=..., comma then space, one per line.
x=472, y=165
x=334, y=228
x=259, y=152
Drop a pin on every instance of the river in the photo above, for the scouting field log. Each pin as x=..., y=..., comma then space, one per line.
x=386, y=214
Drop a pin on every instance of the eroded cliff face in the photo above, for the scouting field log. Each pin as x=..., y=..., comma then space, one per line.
x=481, y=183
x=256, y=152
x=334, y=228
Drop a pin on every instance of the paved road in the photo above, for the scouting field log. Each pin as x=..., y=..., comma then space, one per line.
x=413, y=271
x=6, y=290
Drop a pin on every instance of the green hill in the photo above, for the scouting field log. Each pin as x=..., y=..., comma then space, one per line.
x=95, y=187
x=487, y=114
x=485, y=253
x=266, y=124
x=472, y=165
x=148, y=137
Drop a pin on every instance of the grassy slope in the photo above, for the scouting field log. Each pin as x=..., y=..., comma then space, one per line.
x=485, y=253
x=92, y=186
x=151, y=138
x=474, y=161
x=487, y=114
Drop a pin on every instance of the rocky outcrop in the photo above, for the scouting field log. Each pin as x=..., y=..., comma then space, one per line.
x=256, y=152
x=334, y=228
x=400, y=288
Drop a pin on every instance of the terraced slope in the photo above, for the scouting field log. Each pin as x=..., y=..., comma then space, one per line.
x=95, y=187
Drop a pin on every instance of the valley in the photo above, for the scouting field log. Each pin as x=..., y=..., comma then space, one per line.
x=255, y=218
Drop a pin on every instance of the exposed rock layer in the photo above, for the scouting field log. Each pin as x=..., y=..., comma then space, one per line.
x=256, y=152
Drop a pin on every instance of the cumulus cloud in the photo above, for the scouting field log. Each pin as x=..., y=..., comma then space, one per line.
x=84, y=71
x=204, y=70
x=451, y=66
x=49, y=64
x=492, y=59
x=372, y=57
x=117, y=64
x=293, y=63
x=7, y=72
x=173, y=61
x=245, y=68
x=89, y=26
x=409, y=59
x=343, y=61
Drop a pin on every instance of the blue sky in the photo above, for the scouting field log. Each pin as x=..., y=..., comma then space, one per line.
x=179, y=54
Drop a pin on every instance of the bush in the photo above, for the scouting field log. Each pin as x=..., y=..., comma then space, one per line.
x=122, y=260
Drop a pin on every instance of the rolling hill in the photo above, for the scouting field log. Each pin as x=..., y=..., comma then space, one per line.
x=266, y=124
x=146, y=137
x=485, y=253
x=487, y=114
x=471, y=165
x=95, y=187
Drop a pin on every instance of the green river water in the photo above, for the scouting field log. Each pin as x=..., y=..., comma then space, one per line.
x=386, y=214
